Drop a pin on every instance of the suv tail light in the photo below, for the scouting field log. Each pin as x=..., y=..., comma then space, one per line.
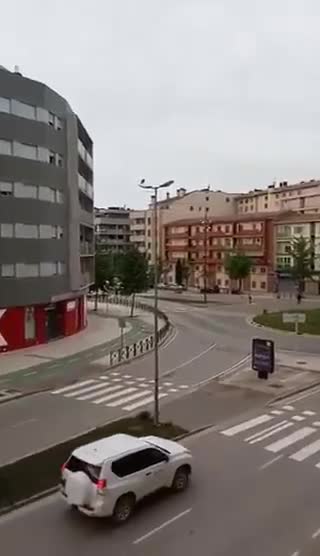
x=101, y=486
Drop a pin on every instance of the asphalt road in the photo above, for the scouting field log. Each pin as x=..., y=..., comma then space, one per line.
x=206, y=341
x=239, y=503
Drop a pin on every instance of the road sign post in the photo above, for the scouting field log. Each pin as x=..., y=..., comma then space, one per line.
x=263, y=357
x=295, y=318
x=122, y=325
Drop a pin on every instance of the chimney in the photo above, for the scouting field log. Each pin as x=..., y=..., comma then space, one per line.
x=168, y=195
x=181, y=192
x=17, y=70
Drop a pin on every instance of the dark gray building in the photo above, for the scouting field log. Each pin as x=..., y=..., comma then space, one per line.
x=46, y=214
x=112, y=228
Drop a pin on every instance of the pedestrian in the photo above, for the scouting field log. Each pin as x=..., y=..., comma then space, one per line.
x=299, y=297
x=250, y=298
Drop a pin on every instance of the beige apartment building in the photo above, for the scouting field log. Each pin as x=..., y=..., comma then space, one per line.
x=198, y=204
x=291, y=226
x=303, y=197
x=138, y=221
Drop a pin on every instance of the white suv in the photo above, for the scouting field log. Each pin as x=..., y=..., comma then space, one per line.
x=107, y=477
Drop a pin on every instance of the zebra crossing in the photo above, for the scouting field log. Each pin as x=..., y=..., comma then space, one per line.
x=283, y=431
x=117, y=390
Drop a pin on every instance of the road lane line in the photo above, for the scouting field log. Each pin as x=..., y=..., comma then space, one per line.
x=270, y=462
x=263, y=431
x=271, y=433
x=307, y=451
x=105, y=390
x=129, y=398
x=246, y=425
x=162, y=526
x=290, y=439
x=143, y=402
x=73, y=386
x=189, y=361
x=316, y=534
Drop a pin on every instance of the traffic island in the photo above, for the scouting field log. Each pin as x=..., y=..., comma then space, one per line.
x=282, y=321
x=30, y=477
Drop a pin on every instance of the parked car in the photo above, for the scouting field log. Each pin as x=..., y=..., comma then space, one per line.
x=235, y=291
x=215, y=289
x=109, y=476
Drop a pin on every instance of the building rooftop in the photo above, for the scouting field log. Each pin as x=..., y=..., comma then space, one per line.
x=276, y=188
x=229, y=219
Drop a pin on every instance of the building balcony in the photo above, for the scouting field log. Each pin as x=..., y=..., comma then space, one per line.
x=249, y=233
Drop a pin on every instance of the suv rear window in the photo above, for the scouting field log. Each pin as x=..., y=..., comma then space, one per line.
x=92, y=471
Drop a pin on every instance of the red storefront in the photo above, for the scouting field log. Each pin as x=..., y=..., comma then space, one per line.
x=22, y=327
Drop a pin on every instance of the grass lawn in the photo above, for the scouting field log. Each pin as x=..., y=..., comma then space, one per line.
x=274, y=320
x=41, y=471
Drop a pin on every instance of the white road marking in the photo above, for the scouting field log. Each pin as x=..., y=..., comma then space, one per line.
x=127, y=376
x=277, y=412
x=307, y=451
x=173, y=390
x=184, y=387
x=296, y=553
x=103, y=391
x=168, y=384
x=165, y=524
x=316, y=534
x=263, y=431
x=73, y=387
x=129, y=398
x=274, y=431
x=270, y=462
x=143, y=402
x=246, y=425
x=85, y=390
x=189, y=361
x=289, y=440
x=114, y=395
x=288, y=407
x=298, y=418
x=114, y=374
x=316, y=424
x=309, y=413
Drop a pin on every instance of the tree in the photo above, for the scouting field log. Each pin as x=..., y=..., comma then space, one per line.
x=186, y=271
x=302, y=261
x=179, y=273
x=133, y=273
x=238, y=267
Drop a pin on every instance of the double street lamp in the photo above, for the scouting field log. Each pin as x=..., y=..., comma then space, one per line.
x=155, y=189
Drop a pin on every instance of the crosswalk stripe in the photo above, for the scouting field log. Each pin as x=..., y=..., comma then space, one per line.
x=85, y=390
x=276, y=412
x=128, y=398
x=246, y=425
x=115, y=395
x=288, y=407
x=73, y=387
x=104, y=390
x=309, y=413
x=298, y=418
x=140, y=403
x=289, y=440
x=307, y=451
x=263, y=431
x=271, y=433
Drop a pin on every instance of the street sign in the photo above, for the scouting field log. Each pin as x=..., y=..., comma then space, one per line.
x=293, y=317
x=262, y=355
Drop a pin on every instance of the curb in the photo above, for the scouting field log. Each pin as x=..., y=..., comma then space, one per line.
x=251, y=322
x=295, y=391
x=45, y=493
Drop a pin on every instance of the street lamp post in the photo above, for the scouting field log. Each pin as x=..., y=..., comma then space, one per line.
x=155, y=189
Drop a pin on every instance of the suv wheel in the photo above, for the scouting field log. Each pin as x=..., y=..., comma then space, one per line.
x=181, y=479
x=123, y=508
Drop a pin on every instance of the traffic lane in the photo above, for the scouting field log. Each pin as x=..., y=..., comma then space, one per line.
x=36, y=422
x=61, y=531
x=231, y=508
x=248, y=510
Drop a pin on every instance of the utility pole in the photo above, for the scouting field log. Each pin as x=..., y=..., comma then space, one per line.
x=155, y=189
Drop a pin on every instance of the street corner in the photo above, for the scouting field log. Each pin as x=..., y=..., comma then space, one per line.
x=284, y=381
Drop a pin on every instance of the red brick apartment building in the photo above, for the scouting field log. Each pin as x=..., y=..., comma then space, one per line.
x=205, y=244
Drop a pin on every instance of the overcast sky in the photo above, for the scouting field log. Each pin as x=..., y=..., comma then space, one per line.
x=219, y=92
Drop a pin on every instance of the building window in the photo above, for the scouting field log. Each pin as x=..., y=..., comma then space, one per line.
x=219, y=282
x=200, y=209
x=226, y=282
x=6, y=230
x=4, y=105
x=23, y=110
x=227, y=199
x=47, y=194
x=7, y=270
x=48, y=269
x=253, y=284
x=29, y=324
x=6, y=189
x=51, y=119
x=266, y=205
x=26, y=231
x=262, y=270
x=25, y=191
x=207, y=209
x=227, y=228
x=25, y=151
x=149, y=233
x=27, y=270
x=263, y=285
x=298, y=229
x=5, y=147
